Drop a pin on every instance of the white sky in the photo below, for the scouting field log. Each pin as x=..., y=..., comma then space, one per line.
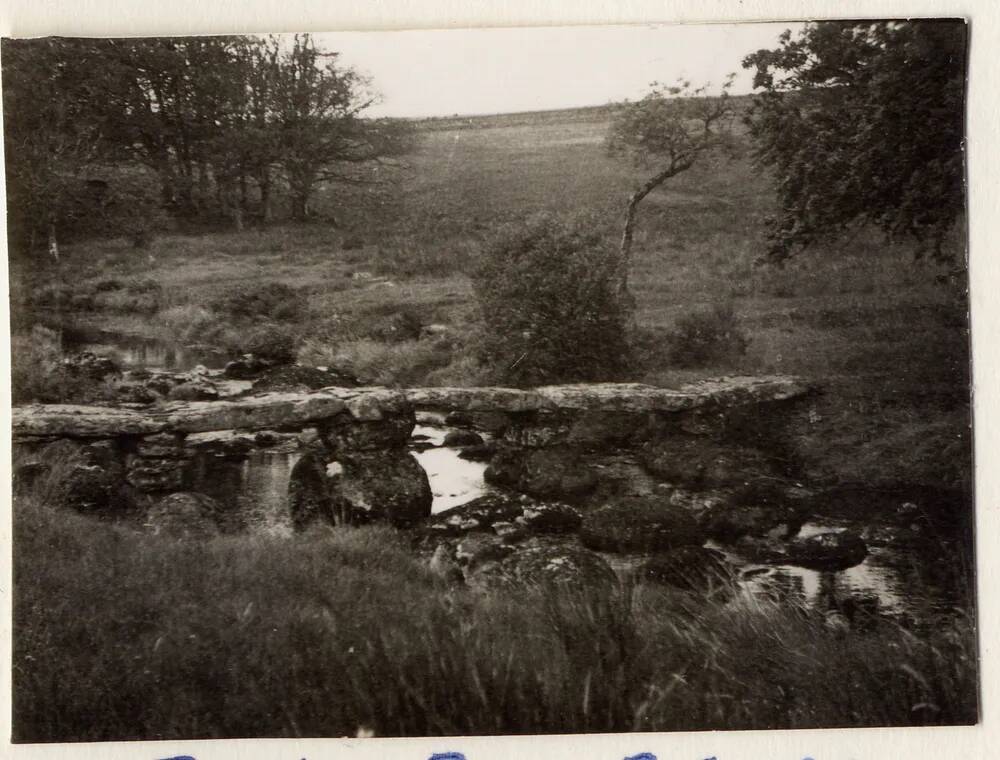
x=475, y=71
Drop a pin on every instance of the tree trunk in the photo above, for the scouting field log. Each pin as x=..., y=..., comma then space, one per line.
x=625, y=248
x=53, y=241
x=300, y=205
x=265, y=199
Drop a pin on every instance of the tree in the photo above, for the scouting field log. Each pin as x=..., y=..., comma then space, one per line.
x=52, y=133
x=669, y=130
x=172, y=103
x=321, y=133
x=548, y=300
x=862, y=122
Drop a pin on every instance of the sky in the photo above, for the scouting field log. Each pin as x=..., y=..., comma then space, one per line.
x=478, y=71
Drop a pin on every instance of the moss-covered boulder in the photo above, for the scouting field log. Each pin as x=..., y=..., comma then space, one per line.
x=640, y=524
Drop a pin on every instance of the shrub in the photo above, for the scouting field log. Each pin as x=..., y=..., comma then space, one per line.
x=39, y=374
x=707, y=337
x=271, y=342
x=547, y=295
x=122, y=201
x=275, y=301
x=404, y=324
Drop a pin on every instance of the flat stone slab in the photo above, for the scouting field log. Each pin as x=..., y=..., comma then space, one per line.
x=612, y=397
x=276, y=410
x=251, y=413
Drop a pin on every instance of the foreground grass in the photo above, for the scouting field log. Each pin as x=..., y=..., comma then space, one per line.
x=120, y=635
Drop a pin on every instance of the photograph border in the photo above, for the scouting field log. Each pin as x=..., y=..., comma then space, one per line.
x=25, y=18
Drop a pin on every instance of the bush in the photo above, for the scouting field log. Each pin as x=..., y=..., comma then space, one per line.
x=39, y=374
x=707, y=337
x=270, y=342
x=547, y=295
x=118, y=201
x=269, y=301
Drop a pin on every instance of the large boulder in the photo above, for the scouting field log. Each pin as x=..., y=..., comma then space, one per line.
x=312, y=492
x=551, y=566
x=184, y=515
x=641, y=524
x=88, y=478
x=727, y=515
x=702, y=463
x=248, y=367
x=458, y=438
x=391, y=429
x=384, y=485
x=691, y=568
x=194, y=388
x=157, y=475
x=480, y=514
x=549, y=517
x=513, y=516
x=482, y=452
x=556, y=473
x=89, y=365
x=92, y=489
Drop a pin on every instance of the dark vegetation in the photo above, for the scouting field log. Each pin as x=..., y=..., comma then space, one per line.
x=837, y=120
x=550, y=305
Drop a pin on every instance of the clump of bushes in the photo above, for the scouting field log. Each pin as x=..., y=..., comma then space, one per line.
x=268, y=301
x=40, y=374
x=709, y=337
x=549, y=302
x=270, y=342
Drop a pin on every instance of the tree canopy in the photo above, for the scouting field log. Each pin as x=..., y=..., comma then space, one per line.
x=667, y=131
x=862, y=122
x=218, y=122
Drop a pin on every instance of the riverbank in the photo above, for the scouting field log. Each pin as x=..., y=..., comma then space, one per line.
x=126, y=635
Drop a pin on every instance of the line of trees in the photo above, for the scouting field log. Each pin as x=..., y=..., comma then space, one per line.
x=121, y=129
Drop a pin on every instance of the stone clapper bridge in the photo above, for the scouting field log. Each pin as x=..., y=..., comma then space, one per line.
x=365, y=431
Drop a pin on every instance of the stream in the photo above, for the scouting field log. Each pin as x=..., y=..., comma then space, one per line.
x=903, y=582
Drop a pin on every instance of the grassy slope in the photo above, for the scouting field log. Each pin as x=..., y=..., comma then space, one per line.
x=120, y=635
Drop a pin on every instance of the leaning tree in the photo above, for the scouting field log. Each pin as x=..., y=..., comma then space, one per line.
x=667, y=132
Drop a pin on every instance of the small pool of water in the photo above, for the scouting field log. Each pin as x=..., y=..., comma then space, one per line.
x=139, y=352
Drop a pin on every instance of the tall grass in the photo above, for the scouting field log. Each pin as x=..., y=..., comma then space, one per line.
x=124, y=635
